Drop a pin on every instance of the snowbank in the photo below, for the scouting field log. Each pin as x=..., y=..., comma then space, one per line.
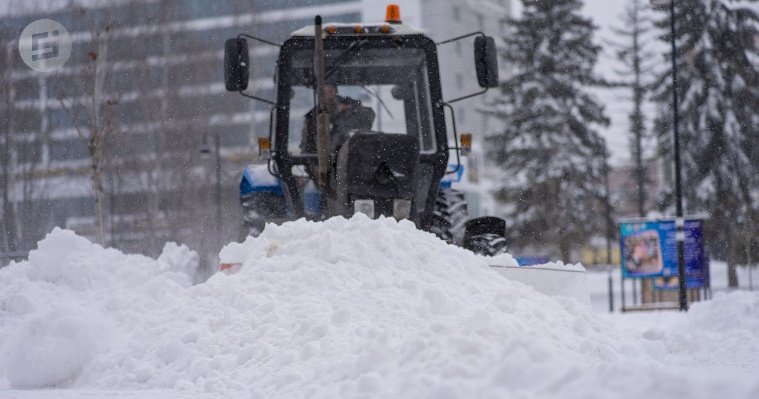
x=73, y=300
x=347, y=308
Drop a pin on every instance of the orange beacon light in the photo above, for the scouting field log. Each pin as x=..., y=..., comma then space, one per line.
x=393, y=14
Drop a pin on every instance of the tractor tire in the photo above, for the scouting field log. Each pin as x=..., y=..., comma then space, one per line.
x=260, y=208
x=253, y=220
x=487, y=244
x=449, y=216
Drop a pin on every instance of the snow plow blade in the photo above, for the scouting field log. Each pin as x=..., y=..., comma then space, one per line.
x=569, y=283
x=550, y=281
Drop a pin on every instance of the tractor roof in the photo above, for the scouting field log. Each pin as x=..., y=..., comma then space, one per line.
x=359, y=29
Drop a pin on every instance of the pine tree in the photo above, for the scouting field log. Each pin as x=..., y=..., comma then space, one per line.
x=719, y=116
x=632, y=50
x=549, y=152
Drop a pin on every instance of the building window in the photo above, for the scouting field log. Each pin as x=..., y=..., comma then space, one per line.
x=457, y=47
x=459, y=81
x=25, y=121
x=456, y=14
x=62, y=209
x=68, y=87
x=28, y=152
x=27, y=89
x=67, y=150
x=233, y=136
x=60, y=118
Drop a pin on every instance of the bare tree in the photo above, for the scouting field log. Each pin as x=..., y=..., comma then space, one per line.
x=100, y=112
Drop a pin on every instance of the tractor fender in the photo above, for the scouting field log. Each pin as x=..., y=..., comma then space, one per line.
x=484, y=225
x=257, y=179
x=485, y=235
x=262, y=199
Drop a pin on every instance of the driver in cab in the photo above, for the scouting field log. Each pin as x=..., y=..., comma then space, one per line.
x=346, y=116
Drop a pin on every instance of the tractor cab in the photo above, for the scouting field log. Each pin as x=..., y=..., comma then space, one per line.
x=387, y=139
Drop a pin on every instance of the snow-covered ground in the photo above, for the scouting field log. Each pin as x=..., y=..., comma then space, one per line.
x=346, y=308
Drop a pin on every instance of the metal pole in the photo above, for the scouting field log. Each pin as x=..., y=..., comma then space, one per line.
x=622, y=290
x=609, y=231
x=321, y=121
x=611, y=293
x=217, y=145
x=635, y=291
x=748, y=254
x=680, y=223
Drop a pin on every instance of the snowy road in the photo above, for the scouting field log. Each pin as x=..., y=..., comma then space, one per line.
x=346, y=308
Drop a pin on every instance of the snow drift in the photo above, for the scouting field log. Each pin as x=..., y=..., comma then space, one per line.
x=347, y=308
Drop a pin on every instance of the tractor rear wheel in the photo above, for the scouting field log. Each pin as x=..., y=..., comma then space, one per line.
x=487, y=244
x=449, y=216
x=260, y=208
x=253, y=220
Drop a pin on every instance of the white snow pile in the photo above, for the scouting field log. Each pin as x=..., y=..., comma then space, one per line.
x=347, y=308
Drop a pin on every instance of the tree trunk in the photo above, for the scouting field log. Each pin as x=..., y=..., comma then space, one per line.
x=97, y=189
x=637, y=116
x=8, y=212
x=565, y=248
x=101, y=125
x=732, y=275
x=748, y=255
x=732, y=264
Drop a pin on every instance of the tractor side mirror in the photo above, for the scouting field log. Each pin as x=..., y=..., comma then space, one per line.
x=236, y=72
x=486, y=61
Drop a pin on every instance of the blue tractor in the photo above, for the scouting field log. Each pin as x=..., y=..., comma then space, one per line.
x=358, y=125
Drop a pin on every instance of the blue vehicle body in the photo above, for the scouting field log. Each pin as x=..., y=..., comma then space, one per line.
x=250, y=185
x=448, y=180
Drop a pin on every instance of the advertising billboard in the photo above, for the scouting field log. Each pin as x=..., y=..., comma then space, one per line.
x=649, y=249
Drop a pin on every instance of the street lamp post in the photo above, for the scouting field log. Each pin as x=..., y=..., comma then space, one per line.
x=217, y=145
x=679, y=221
x=601, y=152
x=607, y=205
x=205, y=150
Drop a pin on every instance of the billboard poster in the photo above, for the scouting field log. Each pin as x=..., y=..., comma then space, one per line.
x=649, y=249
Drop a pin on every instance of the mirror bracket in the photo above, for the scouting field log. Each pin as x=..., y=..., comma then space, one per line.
x=245, y=35
x=263, y=100
x=453, y=39
x=468, y=96
x=455, y=139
